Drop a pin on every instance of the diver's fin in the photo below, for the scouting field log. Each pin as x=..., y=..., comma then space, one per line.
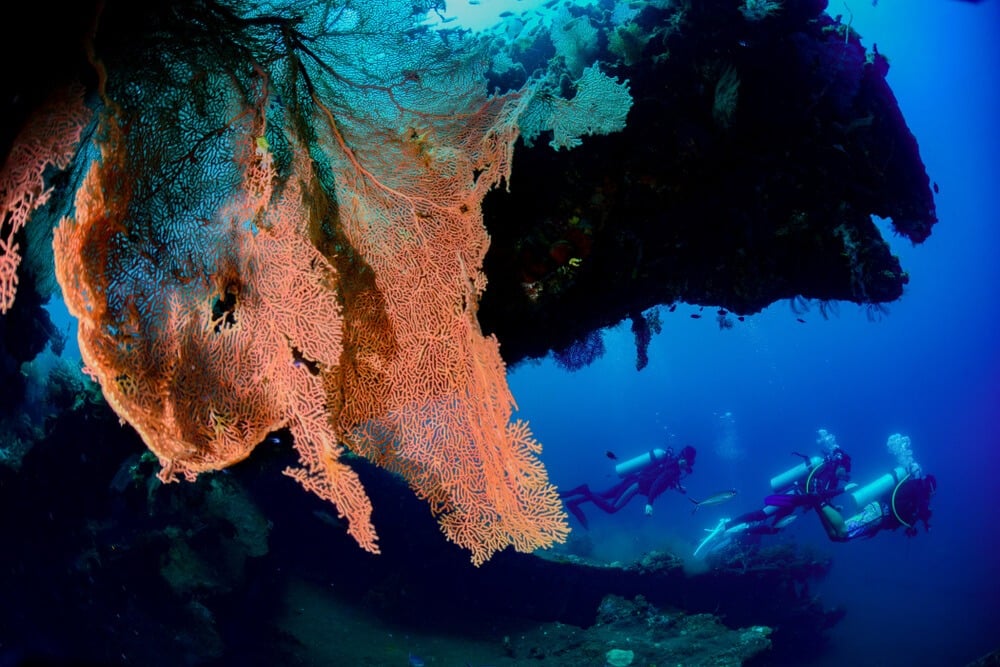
x=712, y=533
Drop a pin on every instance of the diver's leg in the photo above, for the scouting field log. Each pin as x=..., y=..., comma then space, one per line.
x=576, y=496
x=609, y=501
x=582, y=490
x=749, y=517
x=573, y=505
x=623, y=497
x=605, y=500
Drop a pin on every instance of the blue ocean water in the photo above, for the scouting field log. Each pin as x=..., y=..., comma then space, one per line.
x=749, y=396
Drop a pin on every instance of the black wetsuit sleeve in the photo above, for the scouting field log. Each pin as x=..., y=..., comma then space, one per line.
x=667, y=479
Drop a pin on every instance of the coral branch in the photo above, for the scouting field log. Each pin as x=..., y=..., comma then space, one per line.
x=50, y=138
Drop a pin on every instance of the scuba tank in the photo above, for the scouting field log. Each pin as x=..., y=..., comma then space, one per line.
x=626, y=468
x=798, y=473
x=878, y=489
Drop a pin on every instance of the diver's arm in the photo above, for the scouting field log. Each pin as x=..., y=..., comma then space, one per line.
x=833, y=522
x=660, y=483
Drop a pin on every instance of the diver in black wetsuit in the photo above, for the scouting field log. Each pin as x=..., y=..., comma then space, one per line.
x=823, y=479
x=649, y=475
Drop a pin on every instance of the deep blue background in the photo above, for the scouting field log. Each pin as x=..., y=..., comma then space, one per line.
x=928, y=369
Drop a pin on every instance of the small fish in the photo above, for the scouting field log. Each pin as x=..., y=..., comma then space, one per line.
x=800, y=320
x=695, y=316
x=714, y=499
x=672, y=308
x=611, y=455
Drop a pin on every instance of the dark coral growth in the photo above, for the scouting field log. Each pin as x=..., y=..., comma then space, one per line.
x=220, y=562
x=582, y=352
x=754, y=156
x=637, y=632
x=644, y=325
x=101, y=557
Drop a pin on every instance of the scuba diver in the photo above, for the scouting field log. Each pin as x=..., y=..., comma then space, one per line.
x=817, y=479
x=908, y=503
x=648, y=474
x=900, y=498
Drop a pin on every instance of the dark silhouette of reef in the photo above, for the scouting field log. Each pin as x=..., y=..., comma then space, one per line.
x=753, y=158
x=104, y=565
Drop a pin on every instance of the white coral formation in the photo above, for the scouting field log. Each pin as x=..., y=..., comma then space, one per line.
x=600, y=106
x=757, y=10
x=575, y=40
